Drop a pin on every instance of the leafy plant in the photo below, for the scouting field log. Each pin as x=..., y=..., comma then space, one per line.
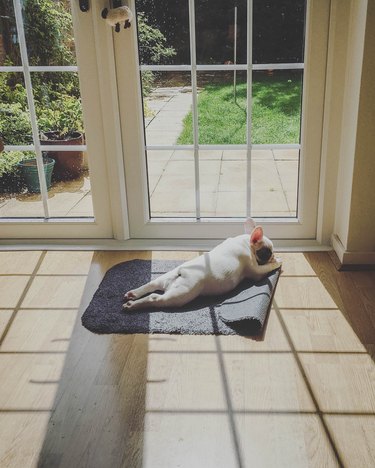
x=15, y=126
x=63, y=115
x=48, y=30
x=10, y=180
x=152, y=49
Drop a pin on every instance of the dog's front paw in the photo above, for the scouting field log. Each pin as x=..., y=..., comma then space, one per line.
x=128, y=306
x=276, y=263
x=130, y=296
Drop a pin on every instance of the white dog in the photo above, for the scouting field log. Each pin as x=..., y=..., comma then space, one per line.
x=216, y=272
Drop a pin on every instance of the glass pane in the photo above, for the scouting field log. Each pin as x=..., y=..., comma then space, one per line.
x=70, y=196
x=60, y=121
x=278, y=35
x=163, y=32
x=9, y=47
x=15, y=126
x=19, y=185
x=171, y=183
x=231, y=200
x=276, y=106
x=49, y=32
x=167, y=104
x=58, y=103
x=215, y=31
x=274, y=183
x=221, y=108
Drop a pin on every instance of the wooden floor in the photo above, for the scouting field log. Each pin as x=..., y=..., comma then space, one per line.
x=302, y=396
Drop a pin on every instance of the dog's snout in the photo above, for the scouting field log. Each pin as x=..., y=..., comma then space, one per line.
x=263, y=255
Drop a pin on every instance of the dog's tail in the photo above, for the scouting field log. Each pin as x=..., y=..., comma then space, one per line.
x=105, y=13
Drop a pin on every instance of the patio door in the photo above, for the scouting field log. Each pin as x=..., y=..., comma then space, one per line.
x=221, y=106
x=51, y=122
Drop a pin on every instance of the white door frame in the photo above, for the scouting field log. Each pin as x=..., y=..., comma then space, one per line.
x=97, y=85
x=128, y=76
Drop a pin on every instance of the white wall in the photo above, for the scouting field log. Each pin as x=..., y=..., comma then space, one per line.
x=351, y=130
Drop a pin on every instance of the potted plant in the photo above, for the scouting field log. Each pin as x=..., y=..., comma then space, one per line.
x=29, y=171
x=61, y=124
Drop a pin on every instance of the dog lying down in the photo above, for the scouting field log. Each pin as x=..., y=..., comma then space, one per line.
x=213, y=273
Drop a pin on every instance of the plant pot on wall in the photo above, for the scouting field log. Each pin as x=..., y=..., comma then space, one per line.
x=69, y=164
x=29, y=171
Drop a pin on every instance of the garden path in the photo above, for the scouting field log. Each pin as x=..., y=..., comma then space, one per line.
x=171, y=175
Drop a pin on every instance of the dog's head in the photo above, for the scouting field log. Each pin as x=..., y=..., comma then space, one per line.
x=261, y=246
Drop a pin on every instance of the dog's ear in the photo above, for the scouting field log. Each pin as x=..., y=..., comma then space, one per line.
x=256, y=235
x=249, y=225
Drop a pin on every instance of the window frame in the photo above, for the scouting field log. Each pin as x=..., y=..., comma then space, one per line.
x=303, y=227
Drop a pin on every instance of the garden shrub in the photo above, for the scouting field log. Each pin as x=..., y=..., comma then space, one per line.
x=10, y=178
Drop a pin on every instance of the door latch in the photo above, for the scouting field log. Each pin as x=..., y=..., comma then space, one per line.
x=84, y=5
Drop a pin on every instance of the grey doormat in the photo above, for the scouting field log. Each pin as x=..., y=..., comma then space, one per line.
x=243, y=311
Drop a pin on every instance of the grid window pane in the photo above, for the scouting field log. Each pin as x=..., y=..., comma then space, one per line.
x=276, y=106
x=215, y=31
x=171, y=183
x=167, y=104
x=163, y=32
x=278, y=31
x=222, y=110
x=49, y=32
x=19, y=185
x=274, y=183
x=15, y=126
x=9, y=47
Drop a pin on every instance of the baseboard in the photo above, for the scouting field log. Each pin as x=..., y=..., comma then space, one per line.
x=147, y=244
x=351, y=260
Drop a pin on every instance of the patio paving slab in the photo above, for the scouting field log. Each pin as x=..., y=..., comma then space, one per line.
x=162, y=202
x=285, y=154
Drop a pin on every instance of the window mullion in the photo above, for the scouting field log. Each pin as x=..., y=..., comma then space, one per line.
x=194, y=91
x=30, y=101
x=249, y=103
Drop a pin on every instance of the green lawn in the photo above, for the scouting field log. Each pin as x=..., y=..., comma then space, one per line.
x=276, y=113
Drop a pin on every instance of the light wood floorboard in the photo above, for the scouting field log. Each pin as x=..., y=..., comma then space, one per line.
x=302, y=396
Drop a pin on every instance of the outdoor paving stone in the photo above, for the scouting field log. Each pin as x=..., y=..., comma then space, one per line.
x=231, y=204
x=169, y=124
x=285, y=154
x=233, y=176
x=264, y=176
x=288, y=171
x=261, y=154
x=159, y=137
x=183, y=200
x=23, y=206
x=60, y=204
x=183, y=155
x=159, y=155
x=176, y=182
x=156, y=167
x=242, y=154
x=210, y=154
x=188, y=155
x=152, y=182
x=291, y=197
x=266, y=202
x=233, y=155
x=83, y=208
x=188, y=167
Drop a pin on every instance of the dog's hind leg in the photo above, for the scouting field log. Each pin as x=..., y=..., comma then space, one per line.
x=159, y=284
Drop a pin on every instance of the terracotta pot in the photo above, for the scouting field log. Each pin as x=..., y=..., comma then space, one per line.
x=69, y=164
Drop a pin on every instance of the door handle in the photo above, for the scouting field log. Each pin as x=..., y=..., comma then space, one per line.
x=84, y=5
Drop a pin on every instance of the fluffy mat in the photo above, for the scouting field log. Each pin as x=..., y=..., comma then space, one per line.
x=241, y=312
